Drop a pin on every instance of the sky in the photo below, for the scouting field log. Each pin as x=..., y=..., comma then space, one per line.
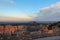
x=28, y=10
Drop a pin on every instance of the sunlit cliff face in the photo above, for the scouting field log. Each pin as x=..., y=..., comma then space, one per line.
x=10, y=28
x=50, y=31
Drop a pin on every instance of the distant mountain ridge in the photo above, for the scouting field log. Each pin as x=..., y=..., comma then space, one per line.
x=30, y=22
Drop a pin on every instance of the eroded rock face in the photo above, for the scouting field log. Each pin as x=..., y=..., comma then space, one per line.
x=50, y=38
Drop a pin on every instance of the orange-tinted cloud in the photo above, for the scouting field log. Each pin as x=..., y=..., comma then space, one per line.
x=25, y=18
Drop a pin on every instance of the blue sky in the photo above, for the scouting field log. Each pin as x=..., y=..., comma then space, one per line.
x=25, y=8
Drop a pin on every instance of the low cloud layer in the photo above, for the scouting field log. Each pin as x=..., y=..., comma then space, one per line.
x=15, y=19
x=50, y=13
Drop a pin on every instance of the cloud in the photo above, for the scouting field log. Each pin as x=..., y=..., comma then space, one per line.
x=50, y=13
x=15, y=19
x=12, y=2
